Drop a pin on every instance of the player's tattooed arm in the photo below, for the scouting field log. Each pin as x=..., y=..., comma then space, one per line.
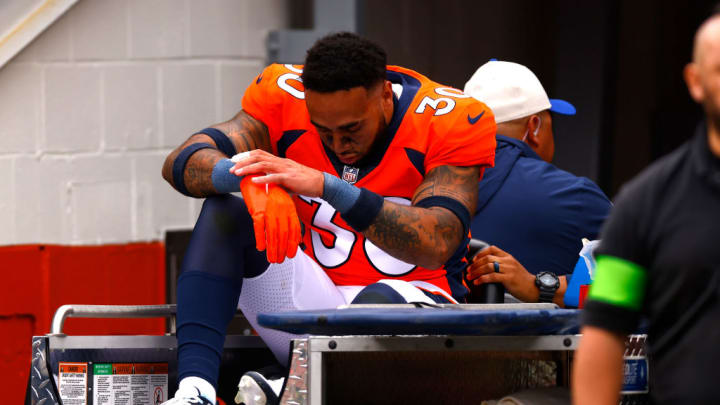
x=427, y=237
x=245, y=132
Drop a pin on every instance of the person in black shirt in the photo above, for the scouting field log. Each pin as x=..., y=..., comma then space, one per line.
x=659, y=258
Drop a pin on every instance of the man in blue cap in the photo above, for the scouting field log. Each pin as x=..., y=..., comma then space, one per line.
x=534, y=214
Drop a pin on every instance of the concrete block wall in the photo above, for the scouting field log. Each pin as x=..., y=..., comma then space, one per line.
x=89, y=110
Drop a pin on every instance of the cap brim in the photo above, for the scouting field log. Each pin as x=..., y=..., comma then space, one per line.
x=561, y=107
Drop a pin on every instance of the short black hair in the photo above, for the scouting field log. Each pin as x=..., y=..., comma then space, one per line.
x=342, y=61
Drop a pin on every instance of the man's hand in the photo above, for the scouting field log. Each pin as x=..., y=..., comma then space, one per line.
x=516, y=279
x=291, y=175
x=275, y=220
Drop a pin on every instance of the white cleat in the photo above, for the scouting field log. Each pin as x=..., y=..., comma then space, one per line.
x=255, y=389
x=197, y=399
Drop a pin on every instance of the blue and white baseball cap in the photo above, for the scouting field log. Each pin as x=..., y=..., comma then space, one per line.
x=512, y=91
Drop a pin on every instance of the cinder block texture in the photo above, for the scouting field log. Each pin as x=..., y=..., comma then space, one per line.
x=99, y=29
x=259, y=18
x=100, y=211
x=158, y=28
x=98, y=203
x=234, y=80
x=196, y=207
x=72, y=109
x=7, y=203
x=73, y=200
x=131, y=107
x=188, y=100
x=39, y=199
x=91, y=108
x=19, y=108
x=216, y=28
x=55, y=44
x=158, y=205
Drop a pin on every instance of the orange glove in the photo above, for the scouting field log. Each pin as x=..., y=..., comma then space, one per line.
x=275, y=220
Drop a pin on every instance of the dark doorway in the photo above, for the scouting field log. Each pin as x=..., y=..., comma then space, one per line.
x=619, y=62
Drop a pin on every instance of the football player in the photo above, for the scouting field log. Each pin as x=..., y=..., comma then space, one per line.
x=378, y=163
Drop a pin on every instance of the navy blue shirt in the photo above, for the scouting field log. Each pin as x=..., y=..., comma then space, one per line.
x=535, y=211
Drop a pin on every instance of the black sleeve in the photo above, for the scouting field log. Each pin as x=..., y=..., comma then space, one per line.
x=624, y=235
x=610, y=317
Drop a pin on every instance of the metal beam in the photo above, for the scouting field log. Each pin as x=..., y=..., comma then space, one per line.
x=25, y=27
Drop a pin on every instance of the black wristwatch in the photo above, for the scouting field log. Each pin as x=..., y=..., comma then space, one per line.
x=547, y=282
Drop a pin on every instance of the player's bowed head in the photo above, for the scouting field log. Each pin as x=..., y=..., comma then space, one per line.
x=350, y=103
x=348, y=97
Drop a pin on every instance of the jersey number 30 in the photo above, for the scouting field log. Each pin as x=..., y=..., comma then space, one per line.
x=338, y=252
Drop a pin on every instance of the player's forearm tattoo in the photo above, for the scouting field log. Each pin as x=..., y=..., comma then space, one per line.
x=198, y=172
x=427, y=236
x=416, y=235
x=392, y=229
x=244, y=131
x=459, y=183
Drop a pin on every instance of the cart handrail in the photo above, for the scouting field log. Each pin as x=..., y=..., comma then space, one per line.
x=112, y=311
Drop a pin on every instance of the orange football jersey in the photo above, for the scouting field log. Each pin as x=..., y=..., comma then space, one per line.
x=432, y=125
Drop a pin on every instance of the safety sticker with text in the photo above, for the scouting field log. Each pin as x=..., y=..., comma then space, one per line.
x=72, y=383
x=130, y=383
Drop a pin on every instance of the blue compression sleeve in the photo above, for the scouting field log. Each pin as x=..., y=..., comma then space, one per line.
x=339, y=194
x=206, y=304
x=222, y=179
x=358, y=206
x=220, y=254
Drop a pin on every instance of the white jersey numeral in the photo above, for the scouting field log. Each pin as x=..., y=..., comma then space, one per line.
x=447, y=103
x=434, y=103
x=339, y=251
x=282, y=82
x=336, y=254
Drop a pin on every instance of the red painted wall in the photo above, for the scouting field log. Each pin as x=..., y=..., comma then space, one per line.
x=37, y=279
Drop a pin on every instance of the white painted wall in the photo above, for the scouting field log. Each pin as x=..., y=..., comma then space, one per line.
x=90, y=109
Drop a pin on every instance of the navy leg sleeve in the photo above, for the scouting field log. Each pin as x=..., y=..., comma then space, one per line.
x=221, y=252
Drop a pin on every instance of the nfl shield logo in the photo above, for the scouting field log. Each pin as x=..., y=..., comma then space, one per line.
x=350, y=174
